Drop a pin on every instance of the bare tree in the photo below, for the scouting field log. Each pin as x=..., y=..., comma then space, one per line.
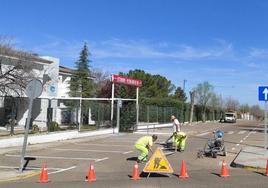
x=204, y=92
x=15, y=69
x=192, y=96
x=214, y=102
x=257, y=112
x=101, y=78
x=231, y=104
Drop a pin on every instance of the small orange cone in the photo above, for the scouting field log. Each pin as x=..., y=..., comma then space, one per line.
x=266, y=168
x=224, y=170
x=43, y=176
x=135, y=174
x=183, y=174
x=91, y=174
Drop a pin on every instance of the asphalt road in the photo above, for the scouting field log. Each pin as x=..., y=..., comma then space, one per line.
x=113, y=157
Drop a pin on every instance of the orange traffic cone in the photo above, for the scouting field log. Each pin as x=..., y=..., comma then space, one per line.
x=183, y=173
x=266, y=168
x=91, y=174
x=224, y=170
x=43, y=176
x=135, y=174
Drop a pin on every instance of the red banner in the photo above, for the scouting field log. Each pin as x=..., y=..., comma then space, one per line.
x=126, y=80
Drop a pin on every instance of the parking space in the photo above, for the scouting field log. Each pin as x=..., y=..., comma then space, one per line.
x=113, y=156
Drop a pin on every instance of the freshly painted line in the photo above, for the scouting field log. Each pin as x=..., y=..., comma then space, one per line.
x=50, y=157
x=127, y=152
x=202, y=134
x=91, y=150
x=28, y=168
x=241, y=132
x=230, y=132
x=105, y=158
x=63, y=170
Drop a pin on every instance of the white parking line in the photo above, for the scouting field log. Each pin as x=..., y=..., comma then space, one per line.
x=127, y=152
x=91, y=150
x=107, y=145
x=56, y=157
x=241, y=132
x=62, y=170
x=105, y=158
x=202, y=134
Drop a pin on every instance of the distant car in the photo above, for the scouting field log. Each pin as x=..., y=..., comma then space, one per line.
x=230, y=117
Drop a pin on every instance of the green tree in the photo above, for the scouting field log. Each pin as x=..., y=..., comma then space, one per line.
x=152, y=85
x=180, y=94
x=81, y=84
x=203, y=93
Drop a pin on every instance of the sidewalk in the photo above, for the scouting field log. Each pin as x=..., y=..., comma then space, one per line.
x=52, y=137
x=251, y=157
x=12, y=174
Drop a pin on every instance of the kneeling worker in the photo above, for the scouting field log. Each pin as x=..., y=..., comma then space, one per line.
x=180, y=140
x=144, y=144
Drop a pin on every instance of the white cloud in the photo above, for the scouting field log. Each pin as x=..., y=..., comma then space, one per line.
x=117, y=48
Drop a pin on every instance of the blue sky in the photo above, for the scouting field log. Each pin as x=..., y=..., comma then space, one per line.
x=221, y=41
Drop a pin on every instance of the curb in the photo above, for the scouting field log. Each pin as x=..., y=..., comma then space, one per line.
x=20, y=177
x=236, y=165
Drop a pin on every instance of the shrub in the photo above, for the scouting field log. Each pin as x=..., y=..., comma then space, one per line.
x=53, y=126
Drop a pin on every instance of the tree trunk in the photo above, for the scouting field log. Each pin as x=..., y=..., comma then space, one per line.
x=192, y=106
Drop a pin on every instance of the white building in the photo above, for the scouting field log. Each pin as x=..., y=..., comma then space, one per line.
x=55, y=81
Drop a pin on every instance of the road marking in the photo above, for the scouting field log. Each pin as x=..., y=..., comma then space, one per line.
x=254, y=132
x=237, y=144
x=62, y=170
x=241, y=132
x=50, y=157
x=230, y=132
x=127, y=152
x=29, y=168
x=202, y=134
x=92, y=150
x=107, y=145
x=105, y=158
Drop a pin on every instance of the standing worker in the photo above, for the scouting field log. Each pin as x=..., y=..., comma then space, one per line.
x=180, y=140
x=175, y=128
x=144, y=144
x=176, y=124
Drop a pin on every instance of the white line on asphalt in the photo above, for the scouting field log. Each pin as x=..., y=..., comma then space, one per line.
x=105, y=158
x=28, y=168
x=237, y=144
x=64, y=158
x=202, y=134
x=127, y=152
x=159, y=133
x=241, y=132
x=108, y=145
x=230, y=132
x=62, y=170
x=91, y=150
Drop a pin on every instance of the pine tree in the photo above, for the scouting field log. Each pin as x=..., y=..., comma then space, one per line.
x=81, y=85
